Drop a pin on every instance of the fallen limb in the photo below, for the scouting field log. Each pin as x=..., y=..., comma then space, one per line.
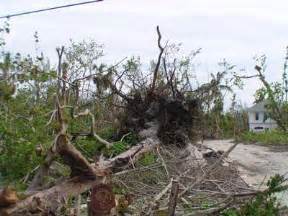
x=130, y=156
x=74, y=159
x=173, y=198
x=53, y=197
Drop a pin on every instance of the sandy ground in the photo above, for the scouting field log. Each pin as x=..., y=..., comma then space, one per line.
x=256, y=163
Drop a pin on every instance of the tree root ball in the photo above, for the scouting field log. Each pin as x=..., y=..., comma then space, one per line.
x=176, y=118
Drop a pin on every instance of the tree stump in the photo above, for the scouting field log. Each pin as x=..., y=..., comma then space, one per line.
x=102, y=200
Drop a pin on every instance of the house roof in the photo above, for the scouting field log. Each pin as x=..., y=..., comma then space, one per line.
x=259, y=107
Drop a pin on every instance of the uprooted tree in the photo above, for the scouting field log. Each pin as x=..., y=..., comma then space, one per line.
x=160, y=107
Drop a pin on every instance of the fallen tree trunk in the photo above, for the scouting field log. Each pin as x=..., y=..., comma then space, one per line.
x=49, y=200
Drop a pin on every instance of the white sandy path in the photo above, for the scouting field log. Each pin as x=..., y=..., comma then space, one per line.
x=256, y=162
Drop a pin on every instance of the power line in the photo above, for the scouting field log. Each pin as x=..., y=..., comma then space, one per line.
x=48, y=9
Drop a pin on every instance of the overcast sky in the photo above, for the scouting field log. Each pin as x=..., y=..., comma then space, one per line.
x=233, y=29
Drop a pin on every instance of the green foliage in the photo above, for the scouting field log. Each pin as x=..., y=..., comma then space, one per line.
x=207, y=204
x=277, y=90
x=217, y=123
x=107, y=132
x=22, y=128
x=225, y=125
x=117, y=189
x=273, y=93
x=264, y=204
x=131, y=138
x=122, y=145
x=267, y=137
x=147, y=159
x=6, y=90
x=118, y=148
x=88, y=146
x=27, y=100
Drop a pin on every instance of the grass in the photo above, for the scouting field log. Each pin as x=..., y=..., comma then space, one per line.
x=273, y=137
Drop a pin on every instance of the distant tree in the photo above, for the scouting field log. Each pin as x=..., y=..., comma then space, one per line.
x=272, y=93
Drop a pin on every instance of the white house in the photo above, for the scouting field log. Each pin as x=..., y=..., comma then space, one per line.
x=258, y=119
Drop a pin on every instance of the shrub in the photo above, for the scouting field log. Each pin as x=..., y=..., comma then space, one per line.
x=266, y=137
x=264, y=204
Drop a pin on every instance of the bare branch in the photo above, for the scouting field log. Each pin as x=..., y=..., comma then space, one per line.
x=173, y=198
x=158, y=61
x=246, y=77
x=60, y=52
x=93, y=133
